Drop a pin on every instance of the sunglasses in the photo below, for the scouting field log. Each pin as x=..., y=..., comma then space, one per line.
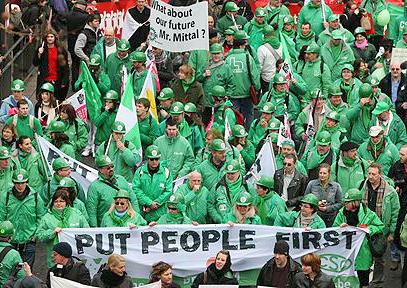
x=154, y=159
x=288, y=164
x=120, y=203
x=172, y=208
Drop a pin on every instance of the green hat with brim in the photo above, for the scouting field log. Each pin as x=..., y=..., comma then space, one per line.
x=313, y=48
x=353, y=195
x=274, y=137
x=260, y=12
x=119, y=127
x=334, y=91
x=152, y=152
x=334, y=116
x=6, y=229
x=165, y=94
x=337, y=35
x=316, y=94
x=103, y=161
x=20, y=176
x=177, y=108
x=123, y=45
x=229, y=32
x=190, y=108
x=268, y=31
x=111, y=95
x=374, y=82
x=310, y=199
x=241, y=35
x=244, y=199
x=288, y=142
x=218, y=145
x=233, y=166
x=381, y=107
x=122, y=194
x=266, y=181
x=333, y=17
x=216, y=48
x=288, y=19
x=274, y=124
x=347, y=66
x=238, y=131
x=4, y=153
x=67, y=182
x=324, y=138
x=268, y=108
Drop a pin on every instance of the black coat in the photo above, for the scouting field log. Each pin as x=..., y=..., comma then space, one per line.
x=295, y=189
x=266, y=273
x=401, y=98
x=213, y=279
x=142, y=32
x=75, y=270
x=321, y=281
x=75, y=21
x=385, y=85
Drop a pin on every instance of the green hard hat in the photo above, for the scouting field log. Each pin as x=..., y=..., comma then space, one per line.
x=233, y=166
x=57, y=126
x=241, y=35
x=353, y=195
x=279, y=79
x=190, y=108
x=231, y=7
x=218, y=91
x=138, y=56
x=67, y=182
x=288, y=19
x=365, y=90
x=152, y=152
x=123, y=45
x=122, y=194
x=4, y=153
x=333, y=115
x=334, y=91
x=359, y=30
x=218, y=145
x=95, y=60
x=274, y=124
x=102, y=161
x=381, y=107
x=59, y=163
x=268, y=108
x=165, y=94
x=244, y=199
x=288, y=142
x=324, y=138
x=333, y=17
x=268, y=31
x=216, y=48
x=20, y=176
x=260, y=12
x=316, y=94
x=17, y=85
x=47, y=87
x=229, y=31
x=119, y=127
x=274, y=137
x=177, y=108
x=238, y=131
x=175, y=199
x=348, y=66
x=313, y=48
x=266, y=181
x=111, y=95
x=374, y=82
x=6, y=229
x=310, y=199
x=336, y=35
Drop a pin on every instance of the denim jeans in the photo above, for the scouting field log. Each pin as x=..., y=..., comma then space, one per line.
x=27, y=252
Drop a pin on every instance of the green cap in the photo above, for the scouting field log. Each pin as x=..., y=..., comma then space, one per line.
x=6, y=229
x=67, y=182
x=334, y=91
x=119, y=127
x=216, y=48
x=374, y=82
x=57, y=126
x=95, y=60
x=177, y=108
x=165, y=94
x=268, y=31
x=313, y=48
x=122, y=194
x=218, y=91
x=310, y=199
x=381, y=107
x=279, y=79
x=274, y=137
x=266, y=181
x=17, y=85
x=238, y=131
x=229, y=32
x=102, y=161
x=190, y=108
x=47, y=87
x=244, y=199
x=333, y=17
x=365, y=90
x=359, y=30
x=348, y=66
x=111, y=95
x=337, y=35
x=123, y=45
x=218, y=145
x=4, y=154
x=274, y=124
x=231, y=7
x=268, y=108
x=152, y=152
x=233, y=166
x=260, y=12
x=241, y=34
x=59, y=163
x=175, y=199
x=138, y=56
x=353, y=195
x=288, y=142
x=333, y=115
x=316, y=94
x=20, y=176
x=288, y=19
x=324, y=138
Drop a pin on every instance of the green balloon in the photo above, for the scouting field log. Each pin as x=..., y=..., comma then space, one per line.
x=383, y=18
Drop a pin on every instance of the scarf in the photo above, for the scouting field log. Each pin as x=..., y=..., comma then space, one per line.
x=234, y=187
x=366, y=115
x=362, y=45
x=307, y=36
x=187, y=83
x=305, y=221
x=273, y=41
x=241, y=219
x=349, y=162
x=175, y=218
x=379, y=196
x=20, y=195
x=111, y=180
x=377, y=149
x=111, y=279
x=23, y=157
x=385, y=126
x=346, y=88
x=290, y=34
x=120, y=218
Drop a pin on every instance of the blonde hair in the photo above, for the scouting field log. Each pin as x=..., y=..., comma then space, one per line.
x=130, y=210
x=187, y=70
x=114, y=260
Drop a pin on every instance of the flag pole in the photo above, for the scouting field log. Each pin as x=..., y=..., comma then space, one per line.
x=108, y=145
x=42, y=157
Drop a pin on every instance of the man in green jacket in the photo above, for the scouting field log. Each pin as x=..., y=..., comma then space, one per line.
x=139, y=72
x=333, y=24
x=166, y=98
x=175, y=212
x=378, y=149
x=312, y=13
x=304, y=37
x=231, y=18
x=106, y=45
x=402, y=43
x=258, y=128
x=268, y=204
x=380, y=197
x=104, y=121
x=122, y=152
x=23, y=207
x=254, y=28
x=175, y=149
x=102, y=191
x=335, y=102
x=152, y=184
x=147, y=124
x=222, y=109
x=6, y=169
x=275, y=12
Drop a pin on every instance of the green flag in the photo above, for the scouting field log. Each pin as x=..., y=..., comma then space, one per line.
x=92, y=93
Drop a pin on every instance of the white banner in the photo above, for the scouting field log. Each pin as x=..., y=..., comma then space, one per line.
x=265, y=163
x=179, y=29
x=187, y=248
x=78, y=101
x=82, y=173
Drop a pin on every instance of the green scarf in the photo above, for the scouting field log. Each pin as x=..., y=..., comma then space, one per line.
x=347, y=87
x=23, y=158
x=276, y=94
x=234, y=187
x=308, y=36
x=62, y=216
x=262, y=209
x=349, y=162
x=336, y=50
x=377, y=146
x=175, y=218
x=120, y=221
x=187, y=83
x=273, y=41
x=290, y=34
x=366, y=115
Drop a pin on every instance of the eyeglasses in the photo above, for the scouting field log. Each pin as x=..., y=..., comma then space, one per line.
x=288, y=164
x=120, y=203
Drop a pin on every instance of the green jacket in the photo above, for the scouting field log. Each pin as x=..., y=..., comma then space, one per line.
x=276, y=14
x=364, y=259
x=149, y=131
x=269, y=207
x=221, y=113
x=237, y=60
x=255, y=32
x=152, y=188
x=279, y=99
x=9, y=262
x=351, y=90
x=138, y=82
x=359, y=118
x=124, y=161
x=349, y=176
x=304, y=40
x=386, y=158
x=395, y=28
x=101, y=50
x=100, y=197
x=401, y=44
x=325, y=36
x=33, y=165
x=256, y=132
x=368, y=54
x=291, y=219
x=301, y=122
x=104, y=122
x=336, y=62
x=312, y=159
x=49, y=188
x=178, y=154
x=226, y=21
x=25, y=214
x=316, y=75
x=5, y=178
x=112, y=220
x=248, y=154
x=255, y=219
x=113, y=68
x=67, y=218
x=103, y=82
x=25, y=126
x=397, y=130
x=199, y=59
x=313, y=14
x=179, y=218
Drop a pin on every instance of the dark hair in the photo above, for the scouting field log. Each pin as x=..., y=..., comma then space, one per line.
x=306, y=23
x=158, y=269
x=170, y=122
x=238, y=43
x=59, y=139
x=60, y=193
x=21, y=139
x=144, y=101
x=91, y=17
x=12, y=128
x=325, y=165
x=291, y=156
x=377, y=166
x=68, y=109
x=279, y=61
x=21, y=102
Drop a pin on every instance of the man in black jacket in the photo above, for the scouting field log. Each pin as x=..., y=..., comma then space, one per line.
x=141, y=14
x=393, y=83
x=280, y=270
x=67, y=267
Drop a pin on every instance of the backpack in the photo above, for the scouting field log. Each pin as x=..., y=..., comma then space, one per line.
x=31, y=121
x=239, y=116
x=13, y=273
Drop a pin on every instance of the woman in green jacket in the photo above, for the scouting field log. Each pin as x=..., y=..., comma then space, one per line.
x=58, y=138
x=243, y=211
x=175, y=213
x=70, y=186
x=121, y=213
x=349, y=85
x=60, y=215
x=8, y=137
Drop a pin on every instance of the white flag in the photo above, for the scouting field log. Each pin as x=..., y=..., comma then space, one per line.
x=228, y=133
x=265, y=163
x=129, y=26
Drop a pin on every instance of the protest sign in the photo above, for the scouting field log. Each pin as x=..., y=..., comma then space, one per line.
x=187, y=248
x=179, y=29
x=398, y=55
x=78, y=101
